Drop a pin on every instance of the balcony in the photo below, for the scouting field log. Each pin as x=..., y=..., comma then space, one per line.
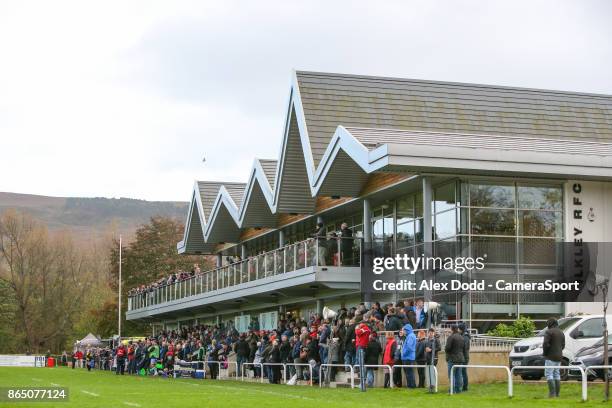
x=293, y=270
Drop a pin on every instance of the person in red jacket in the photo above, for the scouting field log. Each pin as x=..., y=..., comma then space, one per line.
x=362, y=337
x=388, y=356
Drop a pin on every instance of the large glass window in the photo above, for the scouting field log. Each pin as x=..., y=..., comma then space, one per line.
x=492, y=195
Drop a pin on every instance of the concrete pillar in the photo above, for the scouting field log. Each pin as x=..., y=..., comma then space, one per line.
x=219, y=260
x=243, y=251
x=367, y=221
x=319, y=306
x=281, y=238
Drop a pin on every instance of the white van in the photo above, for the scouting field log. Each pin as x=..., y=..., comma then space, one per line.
x=580, y=332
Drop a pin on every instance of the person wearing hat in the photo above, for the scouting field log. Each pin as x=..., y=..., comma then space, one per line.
x=552, y=347
x=372, y=356
x=466, y=353
x=454, y=356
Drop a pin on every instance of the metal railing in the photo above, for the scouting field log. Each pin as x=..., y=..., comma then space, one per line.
x=426, y=366
x=333, y=251
x=582, y=373
x=352, y=369
x=451, y=380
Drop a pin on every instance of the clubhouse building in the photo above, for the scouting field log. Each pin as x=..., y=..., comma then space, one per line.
x=406, y=164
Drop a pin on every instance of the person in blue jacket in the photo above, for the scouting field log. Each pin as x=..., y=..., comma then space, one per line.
x=409, y=354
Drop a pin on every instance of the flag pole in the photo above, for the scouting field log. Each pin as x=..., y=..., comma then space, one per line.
x=119, y=312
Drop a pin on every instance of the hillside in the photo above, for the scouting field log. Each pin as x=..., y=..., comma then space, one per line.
x=89, y=217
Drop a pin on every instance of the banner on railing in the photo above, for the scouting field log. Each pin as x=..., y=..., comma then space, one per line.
x=9, y=360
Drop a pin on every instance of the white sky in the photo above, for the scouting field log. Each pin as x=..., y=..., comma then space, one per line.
x=123, y=99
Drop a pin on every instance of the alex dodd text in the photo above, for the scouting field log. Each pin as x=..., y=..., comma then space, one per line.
x=477, y=285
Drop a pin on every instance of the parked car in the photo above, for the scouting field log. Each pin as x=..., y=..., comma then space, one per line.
x=592, y=356
x=580, y=332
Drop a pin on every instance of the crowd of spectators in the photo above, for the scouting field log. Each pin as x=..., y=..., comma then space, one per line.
x=393, y=334
x=164, y=281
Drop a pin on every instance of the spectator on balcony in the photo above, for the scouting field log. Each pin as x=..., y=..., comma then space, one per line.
x=409, y=354
x=346, y=244
x=454, y=356
x=319, y=236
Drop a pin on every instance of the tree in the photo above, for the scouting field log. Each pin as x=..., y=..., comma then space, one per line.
x=44, y=278
x=520, y=328
x=150, y=256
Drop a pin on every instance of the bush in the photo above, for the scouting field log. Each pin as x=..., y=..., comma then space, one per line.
x=521, y=328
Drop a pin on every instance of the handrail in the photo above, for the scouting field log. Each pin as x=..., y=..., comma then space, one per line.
x=387, y=366
x=582, y=373
x=452, y=376
x=302, y=365
x=232, y=274
x=596, y=367
x=278, y=364
x=338, y=365
x=223, y=362
x=254, y=365
x=435, y=369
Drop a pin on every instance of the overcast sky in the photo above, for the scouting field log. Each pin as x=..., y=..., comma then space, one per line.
x=123, y=99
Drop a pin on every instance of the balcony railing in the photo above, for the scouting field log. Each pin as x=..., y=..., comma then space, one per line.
x=311, y=252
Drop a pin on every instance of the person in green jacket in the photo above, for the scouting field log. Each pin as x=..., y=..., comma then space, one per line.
x=154, y=353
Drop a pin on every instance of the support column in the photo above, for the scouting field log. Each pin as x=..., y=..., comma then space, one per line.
x=219, y=260
x=243, y=252
x=367, y=221
x=320, y=219
x=319, y=306
x=427, y=230
x=366, y=246
x=281, y=238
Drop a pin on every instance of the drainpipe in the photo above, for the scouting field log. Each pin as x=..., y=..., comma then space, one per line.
x=219, y=260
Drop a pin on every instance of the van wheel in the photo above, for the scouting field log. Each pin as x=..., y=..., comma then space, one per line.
x=531, y=377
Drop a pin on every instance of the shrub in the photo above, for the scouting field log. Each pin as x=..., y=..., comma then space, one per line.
x=521, y=328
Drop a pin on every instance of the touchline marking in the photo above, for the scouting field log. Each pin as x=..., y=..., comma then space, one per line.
x=252, y=390
x=131, y=404
x=93, y=394
x=36, y=379
x=55, y=385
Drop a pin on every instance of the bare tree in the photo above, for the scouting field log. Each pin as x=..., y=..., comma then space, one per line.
x=47, y=277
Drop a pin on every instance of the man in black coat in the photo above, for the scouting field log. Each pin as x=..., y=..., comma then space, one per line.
x=242, y=350
x=454, y=356
x=552, y=347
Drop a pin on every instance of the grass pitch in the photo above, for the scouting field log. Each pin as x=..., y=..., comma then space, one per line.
x=105, y=389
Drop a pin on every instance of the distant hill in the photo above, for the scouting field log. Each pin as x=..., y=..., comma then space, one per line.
x=92, y=216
